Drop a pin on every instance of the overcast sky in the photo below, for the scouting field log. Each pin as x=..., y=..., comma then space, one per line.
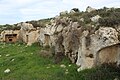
x=14, y=11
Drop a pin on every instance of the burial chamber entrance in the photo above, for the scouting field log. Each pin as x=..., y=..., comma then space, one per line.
x=10, y=37
x=110, y=54
x=47, y=39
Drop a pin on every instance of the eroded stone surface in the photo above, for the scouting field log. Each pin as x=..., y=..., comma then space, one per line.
x=28, y=33
x=86, y=48
x=97, y=51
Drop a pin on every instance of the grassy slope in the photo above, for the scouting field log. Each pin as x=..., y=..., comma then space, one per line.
x=29, y=65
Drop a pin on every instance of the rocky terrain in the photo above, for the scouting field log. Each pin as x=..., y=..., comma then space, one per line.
x=88, y=39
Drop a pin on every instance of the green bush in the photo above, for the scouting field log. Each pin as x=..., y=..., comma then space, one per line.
x=104, y=72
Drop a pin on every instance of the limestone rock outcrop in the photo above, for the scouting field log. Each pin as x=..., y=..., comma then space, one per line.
x=90, y=9
x=102, y=48
x=95, y=18
x=74, y=10
x=64, y=13
x=28, y=33
x=25, y=26
x=48, y=34
x=71, y=41
x=85, y=47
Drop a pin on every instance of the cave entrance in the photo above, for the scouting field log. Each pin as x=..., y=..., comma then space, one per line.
x=47, y=39
x=10, y=37
x=108, y=55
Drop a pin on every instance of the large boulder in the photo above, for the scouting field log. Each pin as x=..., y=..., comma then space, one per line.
x=90, y=9
x=95, y=18
x=74, y=10
x=32, y=37
x=64, y=13
x=25, y=26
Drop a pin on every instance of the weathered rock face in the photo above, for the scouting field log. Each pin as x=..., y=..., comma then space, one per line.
x=25, y=26
x=71, y=41
x=44, y=37
x=63, y=35
x=87, y=48
x=32, y=37
x=28, y=33
x=48, y=34
x=85, y=59
x=96, y=52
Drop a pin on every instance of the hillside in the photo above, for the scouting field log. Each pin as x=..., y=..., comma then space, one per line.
x=74, y=45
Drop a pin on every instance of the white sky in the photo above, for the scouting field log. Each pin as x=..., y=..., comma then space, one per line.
x=14, y=11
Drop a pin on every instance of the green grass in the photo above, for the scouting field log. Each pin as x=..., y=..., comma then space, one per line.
x=29, y=65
